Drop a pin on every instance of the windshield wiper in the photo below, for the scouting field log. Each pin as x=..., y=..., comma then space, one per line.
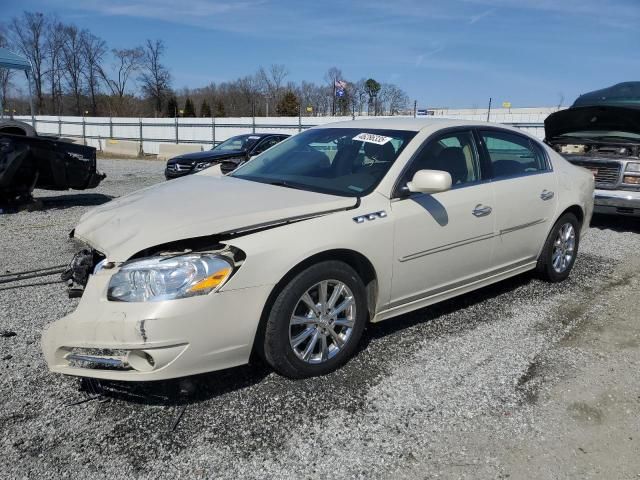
x=284, y=183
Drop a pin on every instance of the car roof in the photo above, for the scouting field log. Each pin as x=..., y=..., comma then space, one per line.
x=408, y=123
x=262, y=135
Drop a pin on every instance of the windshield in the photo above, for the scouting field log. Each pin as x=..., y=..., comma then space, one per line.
x=339, y=161
x=240, y=142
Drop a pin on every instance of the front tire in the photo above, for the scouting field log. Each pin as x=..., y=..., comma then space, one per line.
x=560, y=250
x=316, y=321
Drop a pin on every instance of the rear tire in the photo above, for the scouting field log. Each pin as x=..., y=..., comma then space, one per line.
x=316, y=321
x=560, y=249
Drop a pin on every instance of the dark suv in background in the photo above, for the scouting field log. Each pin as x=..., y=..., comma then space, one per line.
x=230, y=154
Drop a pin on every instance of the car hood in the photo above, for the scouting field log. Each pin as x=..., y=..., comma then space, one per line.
x=196, y=206
x=592, y=118
x=206, y=155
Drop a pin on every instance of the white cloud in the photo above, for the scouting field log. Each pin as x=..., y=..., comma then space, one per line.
x=480, y=16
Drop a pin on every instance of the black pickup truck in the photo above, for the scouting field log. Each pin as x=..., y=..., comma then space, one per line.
x=29, y=161
x=601, y=132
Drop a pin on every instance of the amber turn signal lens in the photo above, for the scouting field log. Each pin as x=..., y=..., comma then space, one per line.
x=212, y=281
x=631, y=180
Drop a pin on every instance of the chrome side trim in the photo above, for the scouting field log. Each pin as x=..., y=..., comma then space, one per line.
x=460, y=284
x=467, y=241
x=370, y=216
x=524, y=225
x=448, y=246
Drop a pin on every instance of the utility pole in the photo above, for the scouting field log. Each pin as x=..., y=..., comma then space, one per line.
x=489, y=110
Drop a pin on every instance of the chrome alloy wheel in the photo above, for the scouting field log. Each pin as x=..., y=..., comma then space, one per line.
x=564, y=248
x=322, y=321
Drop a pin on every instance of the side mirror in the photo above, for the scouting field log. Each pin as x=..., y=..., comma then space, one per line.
x=430, y=181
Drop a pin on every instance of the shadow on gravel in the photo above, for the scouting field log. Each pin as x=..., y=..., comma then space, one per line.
x=182, y=391
x=58, y=202
x=616, y=223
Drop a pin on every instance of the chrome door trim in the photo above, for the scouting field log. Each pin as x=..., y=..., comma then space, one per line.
x=449, y=246
x=453, y=286
x=524, y=225
x=461, y=243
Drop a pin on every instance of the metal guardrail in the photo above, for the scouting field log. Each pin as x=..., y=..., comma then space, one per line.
x=177, y=126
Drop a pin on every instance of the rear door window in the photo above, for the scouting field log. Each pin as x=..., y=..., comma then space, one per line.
x=512, y=154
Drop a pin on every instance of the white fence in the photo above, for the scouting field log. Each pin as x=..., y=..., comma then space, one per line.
x=150, y=132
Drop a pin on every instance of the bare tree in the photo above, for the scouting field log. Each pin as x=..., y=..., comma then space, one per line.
x=54, y=72
x=271, y=82
x=127, y=61
x=359, y=95
x=5, y=74
x=155, y=77
x=393, y=98
x=93, y=51
x=29, y=37
x=248, y=87
x=333, y=75
x=73, y=63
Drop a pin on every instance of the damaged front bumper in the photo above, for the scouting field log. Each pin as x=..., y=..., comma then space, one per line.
x=142, y=341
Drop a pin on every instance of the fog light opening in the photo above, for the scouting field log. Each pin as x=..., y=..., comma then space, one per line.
x=141, y=360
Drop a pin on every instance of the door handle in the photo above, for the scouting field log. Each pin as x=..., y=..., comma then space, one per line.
x=481, y=210
x=546, y=195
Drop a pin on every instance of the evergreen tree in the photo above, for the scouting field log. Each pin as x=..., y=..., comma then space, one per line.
x=205, y=109
x=219, y=109
x=172, y=107
x=189, y=109
x=288, y=106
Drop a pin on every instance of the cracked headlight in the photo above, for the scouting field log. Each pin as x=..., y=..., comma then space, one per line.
x=160, y=278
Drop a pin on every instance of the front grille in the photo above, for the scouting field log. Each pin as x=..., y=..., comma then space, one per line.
x=95, y=358
x=179, y=167
x=604, y=173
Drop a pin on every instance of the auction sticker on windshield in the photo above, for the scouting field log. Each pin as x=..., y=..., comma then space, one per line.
x=372, y=138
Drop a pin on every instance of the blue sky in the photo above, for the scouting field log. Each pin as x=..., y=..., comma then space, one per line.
x=454, y=53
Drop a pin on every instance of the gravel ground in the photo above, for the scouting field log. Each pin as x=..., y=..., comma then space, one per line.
x=521, y=379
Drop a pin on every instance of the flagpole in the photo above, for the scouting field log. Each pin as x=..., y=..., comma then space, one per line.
x=333, y=101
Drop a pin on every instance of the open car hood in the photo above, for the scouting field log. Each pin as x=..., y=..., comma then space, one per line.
x=196, y=206
x=593, y=118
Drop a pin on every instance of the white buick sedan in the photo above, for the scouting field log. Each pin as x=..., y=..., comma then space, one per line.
x=291, y=255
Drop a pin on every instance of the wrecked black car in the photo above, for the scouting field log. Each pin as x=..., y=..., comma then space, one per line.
x=41, y=162
x=601, y=132
x=29, y=161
